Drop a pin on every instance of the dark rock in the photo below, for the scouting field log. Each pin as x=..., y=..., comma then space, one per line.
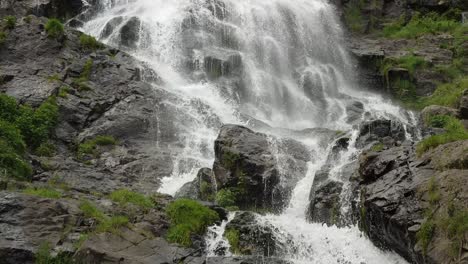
x=395, y=197
x=201, y=188
x=63, y=10
x=129, y=33
x=254, y=238
x=373, y=131
x=325, y=203
x=27, y=222
x=463, y=106
x=245, y=162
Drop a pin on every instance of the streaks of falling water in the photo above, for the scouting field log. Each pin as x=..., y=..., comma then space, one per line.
x=280, y=62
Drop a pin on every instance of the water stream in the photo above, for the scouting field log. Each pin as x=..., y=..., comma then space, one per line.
x=277, y=66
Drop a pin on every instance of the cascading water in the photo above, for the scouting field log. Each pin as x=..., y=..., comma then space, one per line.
x=277, y=66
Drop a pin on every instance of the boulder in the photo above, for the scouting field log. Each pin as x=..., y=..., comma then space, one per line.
x=201, y=188
x=130, y=33
x=245, y=162
x=373, y=131
x=325, y=202
x=254, y=238
x=434, y=110
x=402, y=194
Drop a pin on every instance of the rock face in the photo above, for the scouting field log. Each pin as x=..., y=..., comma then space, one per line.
x=254, y=239
x=49, y=8
x=27, y=222
x=398, y=190
x=246, y=164
x=380, y=131
x=202, y=188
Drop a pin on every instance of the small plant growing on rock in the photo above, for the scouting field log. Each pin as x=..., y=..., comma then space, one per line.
x=105, y=223
x=226, y=198
x=10, y=22
x=43, y=192
x=80, y=83
x=232, y=235
x=46, y=149
x=124, y=197
x=44, y=256
x=188, y=217
x=3, y=37
x=63, y=92
x=90, y=147
x=54, y=28
x=89, y=42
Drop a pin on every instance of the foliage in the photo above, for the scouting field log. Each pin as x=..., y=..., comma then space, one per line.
x=3, y=37
x=11, y=135
x=9, y=108
x=188, y=217
x=409, y=62
x=43, y=256
x=12, y=164
x=89, y=42
x=425, y=233
x=63, y=92
x=91, y=146
x=232, y=235
x=454, y=131
x=43, y=192
x=80, y=82
x=448, y=94
x=226, y=198
x=455, y=227
x=54, y=28
x=431, y=23
x=353, y=16
x=105, y=223
x=10, y=22
x=124, y=197
x=46, y=149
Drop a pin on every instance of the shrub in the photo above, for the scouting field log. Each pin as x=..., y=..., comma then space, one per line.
x=89, y=42
x=12, y=164
x=3, y=37
x=424, y=235
x=54, y=28
x=10, y=22
x=91, y=146
x=226, y=198
x=11, y=135
x=46, y=149
x=232, y=236
x=43, y=192
x=8, y=108
x=419, y=25
x=454, y=131
x=36, y=125
x=188, y=217
x=124, y=197
x=105, y=223
x=43, y=256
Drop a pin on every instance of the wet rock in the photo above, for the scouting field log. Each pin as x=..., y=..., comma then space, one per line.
x=325, y=202
x=27, y=222
x=395, y=197
x=463, y=108
x=254, y=238
x=373, y=131
x=244, y=161
x=201, y=188
x=63, y=10
x=354, y=111
x=130, y=33
x=246, y=260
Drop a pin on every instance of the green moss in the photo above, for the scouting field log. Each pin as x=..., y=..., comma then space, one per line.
x=46, y=149
x=230, y=159
x=124, y=197
x=226, y=198
x=419, y=25
x=63, y=92
x=232, y=236
x=44, y=256
x=188, y=217
x=43, y=192
x=105, y=223
x=3, y=37
x=10, y=22
x=455, y=131
x=409, y=62
x=54, y=28
x=80, y=83
x=353, y=16
x=54, y=78
x=425, y=233
x=89, y=42
x=90, y=147
x=377, y=147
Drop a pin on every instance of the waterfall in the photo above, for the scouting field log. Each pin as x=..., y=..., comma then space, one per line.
x=278, y=66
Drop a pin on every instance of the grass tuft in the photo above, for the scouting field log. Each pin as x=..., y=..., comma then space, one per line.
x=124, y=197
x=54, y=28
x=10, y=22
x=89, y=42
x=43, y=192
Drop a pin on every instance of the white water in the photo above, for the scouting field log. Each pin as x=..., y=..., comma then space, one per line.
x=295, y=75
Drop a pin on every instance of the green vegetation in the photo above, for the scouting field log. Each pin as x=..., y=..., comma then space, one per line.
x=46, y=149
x=44, y=256
x=80, y=83
x=226, y=198
x=353, y=16
x=89, y=42
x=54, y=78
x=206, y=191
x=377, y=147
x=448, y=94
x=124, y=197
x=409, y=62
x=3, y=37
x=188, y=217
x=63, y=92
x=230, y=159
x=425, y=233
x=43, y=192
x=105, y=223
x=91, y=147
x=22, y=126
x=454, y=131
x=10, y=22
x=232, y=235
x=455, y=227
x=419, y=25
x=54, y=28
